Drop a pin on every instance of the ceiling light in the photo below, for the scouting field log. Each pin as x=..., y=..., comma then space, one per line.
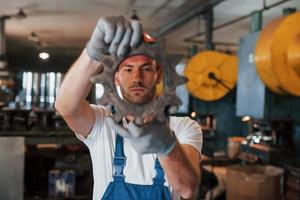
x=44, y=55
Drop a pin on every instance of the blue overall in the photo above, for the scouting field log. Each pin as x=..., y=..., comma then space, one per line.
x=118, y=189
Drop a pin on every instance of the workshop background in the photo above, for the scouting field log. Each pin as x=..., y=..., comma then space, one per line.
x=242, y=59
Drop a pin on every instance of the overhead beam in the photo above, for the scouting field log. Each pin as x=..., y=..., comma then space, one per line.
x=216, y=43
x=229, y=23
x=186, y=17
x=209, y=19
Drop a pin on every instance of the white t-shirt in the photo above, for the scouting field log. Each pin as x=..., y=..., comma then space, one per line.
x=139, y=169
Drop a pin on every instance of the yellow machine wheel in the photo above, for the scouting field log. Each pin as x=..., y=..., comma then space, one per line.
x=285, y=59
x=211, y=75
x=263, y=57
x=277, y=55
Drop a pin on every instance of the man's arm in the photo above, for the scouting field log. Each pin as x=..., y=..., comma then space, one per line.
x=181, y=167
x=179, y=161
x=70, y=102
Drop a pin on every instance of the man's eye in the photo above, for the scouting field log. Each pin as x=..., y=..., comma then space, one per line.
x=127, y=69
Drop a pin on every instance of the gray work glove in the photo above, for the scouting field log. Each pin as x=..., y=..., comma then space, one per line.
x=114, y=36
x=153, y=137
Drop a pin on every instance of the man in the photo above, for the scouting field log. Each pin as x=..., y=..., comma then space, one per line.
x=154, y=151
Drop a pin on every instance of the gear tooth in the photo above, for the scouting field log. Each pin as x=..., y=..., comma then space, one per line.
x=173, y=59
x=184, y=79
x=95, y=78
x=178, y=101
x=177, y=58
x=181, y=80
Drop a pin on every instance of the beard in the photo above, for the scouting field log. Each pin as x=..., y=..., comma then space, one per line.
x=138, y=98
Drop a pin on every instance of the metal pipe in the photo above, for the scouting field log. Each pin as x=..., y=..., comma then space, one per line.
x=218, y=27
x=235, y=20
x=187, y=16
x=2, y=38
x=209, y=19
x=216, y=43
x=256, y=21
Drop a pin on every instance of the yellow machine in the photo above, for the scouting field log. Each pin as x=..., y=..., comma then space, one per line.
x=277, y=55
x=211, y=75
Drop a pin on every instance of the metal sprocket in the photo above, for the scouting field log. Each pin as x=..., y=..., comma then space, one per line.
x=166, y=101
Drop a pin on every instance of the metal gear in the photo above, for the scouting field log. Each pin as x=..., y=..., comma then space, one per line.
x=160, y=108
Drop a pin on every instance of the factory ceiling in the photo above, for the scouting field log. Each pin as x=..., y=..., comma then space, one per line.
x=64, y=26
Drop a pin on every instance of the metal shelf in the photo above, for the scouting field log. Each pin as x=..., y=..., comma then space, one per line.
x=44, y=136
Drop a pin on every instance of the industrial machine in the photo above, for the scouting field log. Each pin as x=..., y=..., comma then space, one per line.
x=268, y=92
x=277, y=55
x=266, y=100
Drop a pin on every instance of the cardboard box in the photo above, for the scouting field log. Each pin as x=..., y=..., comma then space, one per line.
x=254, y=182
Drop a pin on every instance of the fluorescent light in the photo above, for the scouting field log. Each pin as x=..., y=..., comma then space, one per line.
x=44, y=55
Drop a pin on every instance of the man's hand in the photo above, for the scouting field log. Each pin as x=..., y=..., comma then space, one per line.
x=153, y=137
x=114, y=35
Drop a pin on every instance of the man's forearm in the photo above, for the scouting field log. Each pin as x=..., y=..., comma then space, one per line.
x=183, y=172
x=76, y=84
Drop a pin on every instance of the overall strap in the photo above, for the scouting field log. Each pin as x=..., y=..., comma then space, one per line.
x=159, y=178
x=119, y=159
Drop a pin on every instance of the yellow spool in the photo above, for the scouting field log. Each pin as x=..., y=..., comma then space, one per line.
x=263, y=57
x=277, y=55
x=285, y=36
x=202, y=66
x=294, y=54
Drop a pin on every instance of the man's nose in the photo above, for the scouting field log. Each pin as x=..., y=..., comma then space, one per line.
x=137, y=76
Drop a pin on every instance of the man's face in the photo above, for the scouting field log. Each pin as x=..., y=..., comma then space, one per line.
x=137, y=77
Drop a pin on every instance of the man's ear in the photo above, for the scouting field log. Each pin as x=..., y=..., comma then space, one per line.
x=117, y=81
